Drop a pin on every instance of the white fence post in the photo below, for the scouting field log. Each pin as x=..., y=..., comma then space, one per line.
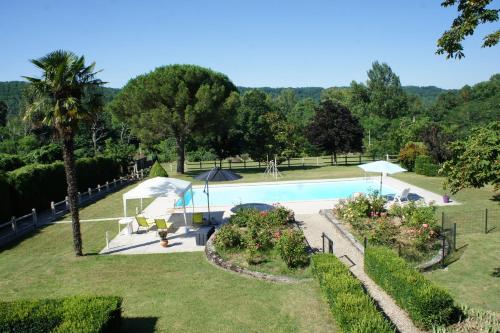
x=107, y=186
x=14, y=224
x=98, y=188
x=53, y=209
x=34, y=216
x=79, y=198
x=66, y=200
x=90, y=192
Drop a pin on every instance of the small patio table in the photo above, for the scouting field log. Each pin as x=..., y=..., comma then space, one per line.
x=127, y=221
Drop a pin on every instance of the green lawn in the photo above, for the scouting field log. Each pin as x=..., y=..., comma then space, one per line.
x=183, y=292
x=470, y=278
x=176, y=292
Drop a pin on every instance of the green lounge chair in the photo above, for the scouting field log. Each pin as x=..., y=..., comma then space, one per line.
x=162, y=225
x=142, y=222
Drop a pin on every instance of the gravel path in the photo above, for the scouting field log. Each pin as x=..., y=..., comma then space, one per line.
x=314, y=225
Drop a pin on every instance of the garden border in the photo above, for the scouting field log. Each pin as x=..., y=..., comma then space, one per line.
x=422, y=267
x=216, y=260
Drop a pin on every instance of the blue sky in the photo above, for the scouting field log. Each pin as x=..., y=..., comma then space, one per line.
x=256, y=43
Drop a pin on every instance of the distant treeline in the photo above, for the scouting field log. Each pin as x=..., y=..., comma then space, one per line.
x=11, y=92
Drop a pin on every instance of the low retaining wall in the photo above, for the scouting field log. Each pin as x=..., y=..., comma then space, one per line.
x=328, y=214
x=215, y=259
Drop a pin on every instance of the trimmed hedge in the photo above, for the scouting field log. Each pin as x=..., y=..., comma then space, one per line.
x=5, y=202
x=157, y=171
x=72, y=314
x=425, y=166
x=35, y=185
x=426, y=303
x=352, y=308
x=10, y=162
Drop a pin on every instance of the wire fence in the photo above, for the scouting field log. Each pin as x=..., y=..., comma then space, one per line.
x=299, y=162
x=459, y=223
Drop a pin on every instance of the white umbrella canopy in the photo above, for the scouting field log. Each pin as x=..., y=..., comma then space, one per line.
x=382, y=167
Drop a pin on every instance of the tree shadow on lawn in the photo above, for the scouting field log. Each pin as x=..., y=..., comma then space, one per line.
x=496, y=272
x=138, y=324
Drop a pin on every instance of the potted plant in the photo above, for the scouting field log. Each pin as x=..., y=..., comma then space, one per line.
x=446, y=198
x=163, y=235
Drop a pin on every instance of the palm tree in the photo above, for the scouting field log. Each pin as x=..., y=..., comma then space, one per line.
x=57, y=101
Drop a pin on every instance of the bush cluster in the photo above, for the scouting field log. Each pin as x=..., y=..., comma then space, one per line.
x=35, y=185
x=354, y=311
x=426, y=303
x=409, y=153
x=258, y=232
x=425, y=166
x=292, y=248
x=9, y=162
x=73, y=314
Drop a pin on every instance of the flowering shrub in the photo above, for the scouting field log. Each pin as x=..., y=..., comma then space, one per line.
x=292, y=248
x=242, y=216
x=228, y=236
x=412, y=226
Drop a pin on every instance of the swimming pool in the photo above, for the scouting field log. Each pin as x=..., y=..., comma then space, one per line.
x=269, y=193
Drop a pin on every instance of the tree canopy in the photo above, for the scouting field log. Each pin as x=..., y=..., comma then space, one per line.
x=475, y=162
x=176, y=101
x=472, y=13
x=335, y=130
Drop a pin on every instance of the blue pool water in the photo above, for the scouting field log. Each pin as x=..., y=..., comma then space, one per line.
x=230, y=195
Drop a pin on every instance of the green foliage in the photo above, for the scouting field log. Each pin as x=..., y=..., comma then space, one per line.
x=409, y=153
x=351, y=307
x=243, y=215
x=424, y=166
x=35, y=185
x=292, y=248
x=475, y=161
x=335, y=130
x=201, y=154
x=9, y=162
x=157, y=170
x=471, y=14
x=228, y=237
x=45, y=154
x=180, y=101
x=426, y=303
x=74, y=314
x=5, y=202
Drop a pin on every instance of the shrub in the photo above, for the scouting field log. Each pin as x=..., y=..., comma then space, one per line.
x=10, y=162
x=354, y=311
x=35, y=185
x=280, y=216
x=409, y=153
x=292, y=248
x=201, y=155
x=425, y=166
x=74, y=314
x=228, y=236
x=5, y=202
x=426, y=303
x=243, y=215
x=157, y=171
x=384, y=232
x=44, y=155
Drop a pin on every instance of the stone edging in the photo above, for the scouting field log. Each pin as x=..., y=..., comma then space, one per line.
x=215, y=259
x=422, y=267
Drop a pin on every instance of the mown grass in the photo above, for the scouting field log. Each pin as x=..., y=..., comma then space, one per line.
x=177, y=292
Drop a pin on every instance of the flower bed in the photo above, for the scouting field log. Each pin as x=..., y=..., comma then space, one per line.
x=264, y=242
x=411, y=228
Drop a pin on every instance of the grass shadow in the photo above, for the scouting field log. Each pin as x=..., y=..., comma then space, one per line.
x=139, y=324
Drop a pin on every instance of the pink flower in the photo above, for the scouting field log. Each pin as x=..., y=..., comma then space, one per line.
x=425, y=225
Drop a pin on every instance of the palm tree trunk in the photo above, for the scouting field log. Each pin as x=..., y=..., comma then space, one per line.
x=70, y=169
x=180, y=154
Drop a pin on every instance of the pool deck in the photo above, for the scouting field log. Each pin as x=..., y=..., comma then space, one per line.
x=182, y=241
